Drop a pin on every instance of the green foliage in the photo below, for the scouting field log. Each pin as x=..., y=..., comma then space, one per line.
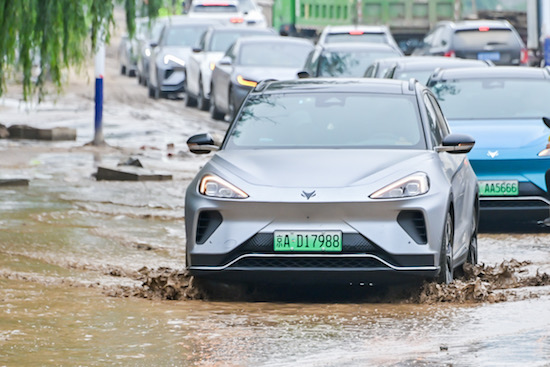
x=56, y=34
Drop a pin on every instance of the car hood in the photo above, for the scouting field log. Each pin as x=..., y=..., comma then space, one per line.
x=178, y=51
x=317, y=167
x=265, y=72
x=514, y=136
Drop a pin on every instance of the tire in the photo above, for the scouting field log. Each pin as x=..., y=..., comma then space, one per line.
x=214, y=112
x=190, y=101
x=151, y=91
x=231, y=106
x=122, y=70
x=203, y=103
x=472, y=248
x=446, y=272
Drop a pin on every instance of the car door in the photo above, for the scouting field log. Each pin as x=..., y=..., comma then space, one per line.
x=222, y=80
x=193, y=68
x=456, y=170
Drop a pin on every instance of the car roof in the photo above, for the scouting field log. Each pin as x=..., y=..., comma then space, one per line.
x=427, y=62
x=215, y=2
x=345, y=85
x=474, y=24
x=364, y=28
x=181, y=20
x=232, y=28
x=493, y=72
x=371, y=46
x=275, y=39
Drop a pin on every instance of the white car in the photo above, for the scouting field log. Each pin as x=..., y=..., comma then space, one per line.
x=211, y=49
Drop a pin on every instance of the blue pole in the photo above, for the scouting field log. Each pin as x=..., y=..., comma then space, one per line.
x=98, y=125
x=99, y=72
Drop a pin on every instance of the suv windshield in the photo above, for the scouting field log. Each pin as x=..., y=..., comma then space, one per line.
x=273, y=54
x=493, y=98
x=328, y=120
x=221, y=41
x=476, y=39
x=350, y=64
x=186, y=36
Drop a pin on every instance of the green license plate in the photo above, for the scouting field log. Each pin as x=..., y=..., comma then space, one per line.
x=498, y=188
x=307, y=241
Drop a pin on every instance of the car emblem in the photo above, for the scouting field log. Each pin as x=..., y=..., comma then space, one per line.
x=308, y=195
x=492, y=154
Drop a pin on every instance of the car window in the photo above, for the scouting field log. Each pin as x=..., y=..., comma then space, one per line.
x=350, y=63
x=441, y=121
x=436, y=134
x=356, y=37
x=215, y=8
x=221, y=41
x=474, y=38
x=273, y=54
x=438, y=38
x=327, y=120
x=493, y=98
x=183, y=36
x=246, y=5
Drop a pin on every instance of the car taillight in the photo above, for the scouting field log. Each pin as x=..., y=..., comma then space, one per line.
x=524, y=60
x=356, y=33
x=236, y=20
x=450, y=54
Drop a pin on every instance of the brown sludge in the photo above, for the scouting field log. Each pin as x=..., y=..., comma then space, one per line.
x=480, y=283
x=483, y=283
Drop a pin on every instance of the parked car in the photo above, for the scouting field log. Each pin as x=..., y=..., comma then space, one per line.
x=493, y=40
x=505, y=110
x=169, y=57
x=346, y=59
x=150, y=34
x=202, y=61
x=250, y=60
x=357, y=33
x=333, y=180
x=128, y=49
x=226, y=11
x=422, y=67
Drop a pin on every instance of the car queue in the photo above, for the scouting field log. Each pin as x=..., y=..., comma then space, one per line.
x=328, y=174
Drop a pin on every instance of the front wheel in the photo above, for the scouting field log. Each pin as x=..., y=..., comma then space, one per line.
x=472, y=248
x=202, y=101
x=446, y=272
x=214, y=112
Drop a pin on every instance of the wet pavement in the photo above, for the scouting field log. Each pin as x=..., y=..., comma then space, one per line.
x=91, y=272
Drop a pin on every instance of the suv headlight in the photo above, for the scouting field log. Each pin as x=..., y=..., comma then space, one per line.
x=413, y=185
x=215, y=186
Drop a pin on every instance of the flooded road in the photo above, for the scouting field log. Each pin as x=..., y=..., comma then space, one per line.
x=80, y=260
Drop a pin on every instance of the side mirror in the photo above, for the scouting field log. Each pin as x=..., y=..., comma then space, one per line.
x=303, y=74
x=456, y=144
x=546, y=121
x=226, y=60
x=153, y=44
x=197, y=49
x=201, y=144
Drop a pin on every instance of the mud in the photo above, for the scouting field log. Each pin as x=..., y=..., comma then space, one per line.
x=480, y=284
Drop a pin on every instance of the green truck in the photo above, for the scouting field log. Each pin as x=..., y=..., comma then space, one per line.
x=409, y=20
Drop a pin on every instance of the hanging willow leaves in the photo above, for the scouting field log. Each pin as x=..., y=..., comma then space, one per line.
x=57, y=34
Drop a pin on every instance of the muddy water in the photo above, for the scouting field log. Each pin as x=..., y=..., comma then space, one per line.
x=87, y=271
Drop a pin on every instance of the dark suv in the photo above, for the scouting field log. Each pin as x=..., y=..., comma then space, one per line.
x=493, y=40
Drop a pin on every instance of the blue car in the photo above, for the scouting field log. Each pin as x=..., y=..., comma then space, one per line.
x=507, y=111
